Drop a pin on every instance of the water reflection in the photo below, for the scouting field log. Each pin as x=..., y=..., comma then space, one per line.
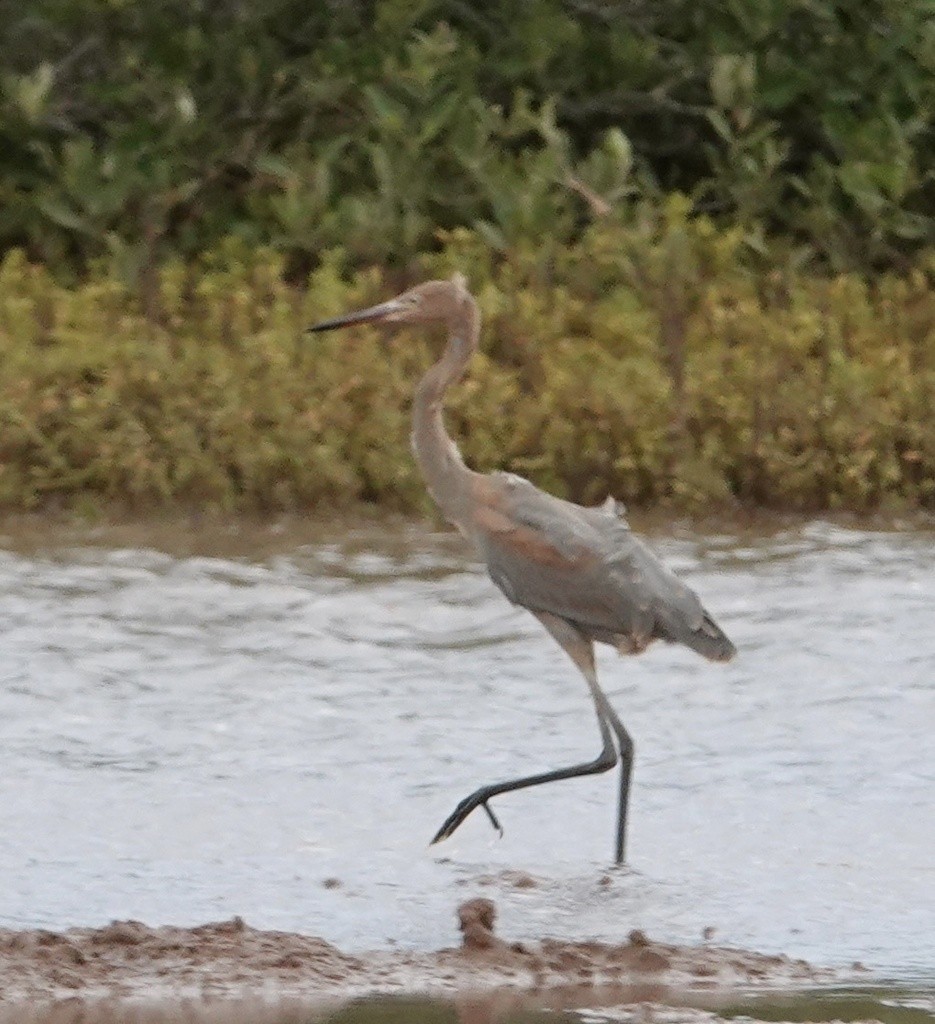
x=571, y=1006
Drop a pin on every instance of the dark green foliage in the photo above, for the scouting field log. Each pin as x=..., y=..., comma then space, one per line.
x=130, y=131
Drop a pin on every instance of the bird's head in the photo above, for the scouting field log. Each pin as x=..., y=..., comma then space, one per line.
x=429, y=302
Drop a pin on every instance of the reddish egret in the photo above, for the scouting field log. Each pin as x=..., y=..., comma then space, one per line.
x=579, y=570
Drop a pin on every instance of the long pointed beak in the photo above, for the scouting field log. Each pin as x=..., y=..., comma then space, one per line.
x=363, y=316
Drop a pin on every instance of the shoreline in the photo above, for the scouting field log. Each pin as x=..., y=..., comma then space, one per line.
x=183, y=532
x=229, y=959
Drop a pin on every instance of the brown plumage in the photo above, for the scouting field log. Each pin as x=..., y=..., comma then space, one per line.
x=579, y=570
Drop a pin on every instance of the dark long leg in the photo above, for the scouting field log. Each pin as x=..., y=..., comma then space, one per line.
x=571, y=640
x=626, y=748
x=581, y=651
x=604, y=761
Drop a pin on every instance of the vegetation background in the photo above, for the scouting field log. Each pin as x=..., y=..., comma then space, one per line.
x=702, y=233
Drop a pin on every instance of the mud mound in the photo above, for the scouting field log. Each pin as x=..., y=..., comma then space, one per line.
x=129, y=958
x=125, y=957
x=553, y=963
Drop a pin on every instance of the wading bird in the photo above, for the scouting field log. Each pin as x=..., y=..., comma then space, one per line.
x=579, y=570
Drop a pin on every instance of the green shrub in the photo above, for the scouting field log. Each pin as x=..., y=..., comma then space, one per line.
x=780, y=388
x=131, y=132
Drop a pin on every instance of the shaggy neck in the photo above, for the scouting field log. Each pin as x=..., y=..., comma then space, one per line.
x=436, y=453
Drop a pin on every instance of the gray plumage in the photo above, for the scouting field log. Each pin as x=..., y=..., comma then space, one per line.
x=579, y=570
x=607, y=583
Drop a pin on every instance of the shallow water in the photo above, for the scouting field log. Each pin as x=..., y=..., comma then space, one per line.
x=573, y=1006
x=278, y=735
x=632, y=1006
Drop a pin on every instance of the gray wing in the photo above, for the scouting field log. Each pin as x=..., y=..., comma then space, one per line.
x=586, y=566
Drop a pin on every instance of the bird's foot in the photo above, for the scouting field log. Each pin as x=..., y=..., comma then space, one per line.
x=494, y=820
x=457, y=816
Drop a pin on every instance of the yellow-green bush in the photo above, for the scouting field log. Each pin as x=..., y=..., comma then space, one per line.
x=647, y=361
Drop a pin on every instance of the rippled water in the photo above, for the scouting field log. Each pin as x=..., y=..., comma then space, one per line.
x=188, y=738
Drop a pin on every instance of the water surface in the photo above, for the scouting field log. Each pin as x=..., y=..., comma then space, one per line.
x=573, y=1006
x=278, y=735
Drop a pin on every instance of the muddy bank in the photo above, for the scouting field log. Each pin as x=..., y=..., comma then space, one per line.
x=132, y=959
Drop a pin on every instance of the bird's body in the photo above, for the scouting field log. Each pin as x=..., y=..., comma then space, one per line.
x=578, y=569
x=585, y=566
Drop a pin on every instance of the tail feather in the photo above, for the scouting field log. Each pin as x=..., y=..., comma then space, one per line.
x=710, y=640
